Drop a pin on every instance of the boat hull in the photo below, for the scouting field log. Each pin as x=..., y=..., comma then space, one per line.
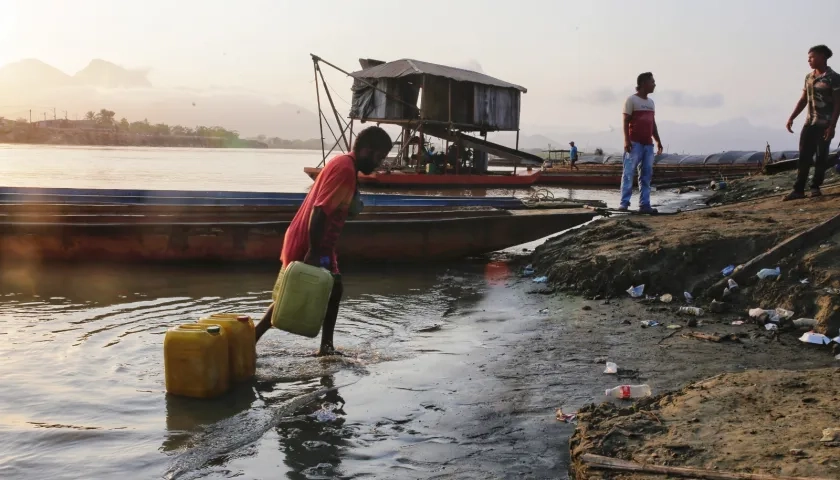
x=415, y=239
x=421, y=180
x=611, y=176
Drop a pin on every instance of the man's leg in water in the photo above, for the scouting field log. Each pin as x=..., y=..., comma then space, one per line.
x=327, y=347
x=265, y=323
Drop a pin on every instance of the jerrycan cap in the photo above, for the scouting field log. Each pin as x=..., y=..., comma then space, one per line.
x=243, y=318
x=214, y=329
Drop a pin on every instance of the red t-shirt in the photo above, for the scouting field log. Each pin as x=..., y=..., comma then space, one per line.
x=333, y=191
x=641, y=113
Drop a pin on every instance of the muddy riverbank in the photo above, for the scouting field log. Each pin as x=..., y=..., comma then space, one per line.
x=769, y=416
x=686, y=252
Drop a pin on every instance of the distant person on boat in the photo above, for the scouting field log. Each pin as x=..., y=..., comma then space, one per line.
x=821, y=95
x=314, y=232
x=573, y=155
x=639, y=132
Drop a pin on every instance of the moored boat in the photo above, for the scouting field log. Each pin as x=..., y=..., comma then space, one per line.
x=411, y=179
x=70, y=229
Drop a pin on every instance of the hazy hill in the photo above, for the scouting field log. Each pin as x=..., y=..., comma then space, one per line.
x=100, y=73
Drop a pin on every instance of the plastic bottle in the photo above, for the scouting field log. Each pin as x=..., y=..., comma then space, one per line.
x=769, y=273
x=692, y=311
x=629, y=391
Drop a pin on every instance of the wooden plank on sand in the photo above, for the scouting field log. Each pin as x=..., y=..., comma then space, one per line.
x=615, y=464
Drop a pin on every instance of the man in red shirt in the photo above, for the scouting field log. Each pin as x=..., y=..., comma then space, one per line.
x=314, y=232
x=639, y=132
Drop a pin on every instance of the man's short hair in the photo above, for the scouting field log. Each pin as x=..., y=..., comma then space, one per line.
x=374, y=138
x=642, y=78
x=821, y=50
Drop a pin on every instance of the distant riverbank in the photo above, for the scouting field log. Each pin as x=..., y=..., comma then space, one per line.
x=36, y=135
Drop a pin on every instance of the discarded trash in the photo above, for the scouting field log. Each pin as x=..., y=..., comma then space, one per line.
x=667, y=298
x=629, y=391
x=830, y=435
x=728, y=270
x=674, y=326
x=541, y=280
x=771, y=326
x=565, y=417
x=688, y=297
x=636, y=292
x=805, y=322
x=732, y=285
x=717, y=307
x=738, y=322
x=325, y=415
x=769, y=273
x=611, y=368
x=727, y=292
x=691, y=311
x=763, y=316
x=529, y=270
x=815, y=338
x=804, y=281
x=650, y=323
x=784, y=314
x=832, y=291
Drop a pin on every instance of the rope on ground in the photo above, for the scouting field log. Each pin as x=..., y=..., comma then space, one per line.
x=537, y=196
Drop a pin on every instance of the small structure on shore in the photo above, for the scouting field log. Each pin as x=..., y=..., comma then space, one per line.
x=423, y=99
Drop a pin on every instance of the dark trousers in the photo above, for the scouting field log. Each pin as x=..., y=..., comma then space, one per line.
x=811, y=143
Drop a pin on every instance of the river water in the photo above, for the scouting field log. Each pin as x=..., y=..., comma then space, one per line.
x=81, y=353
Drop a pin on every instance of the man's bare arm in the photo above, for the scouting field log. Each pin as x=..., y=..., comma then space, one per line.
x=626, y=121
x=800, y=105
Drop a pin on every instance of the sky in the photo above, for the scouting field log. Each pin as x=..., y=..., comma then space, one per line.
x=713, y=60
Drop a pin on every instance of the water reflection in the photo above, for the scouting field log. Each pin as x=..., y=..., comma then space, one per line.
x=186, y=417
x=83, y=347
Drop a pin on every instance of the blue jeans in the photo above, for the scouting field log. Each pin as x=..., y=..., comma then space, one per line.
x=639, y=159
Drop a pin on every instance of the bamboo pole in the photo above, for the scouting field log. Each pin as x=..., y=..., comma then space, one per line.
x=615, y=464
x=335, y=111
x=320, y=123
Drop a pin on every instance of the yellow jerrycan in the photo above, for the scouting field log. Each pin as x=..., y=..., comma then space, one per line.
x=242, y=343
x=195, y=358
x=301, y=296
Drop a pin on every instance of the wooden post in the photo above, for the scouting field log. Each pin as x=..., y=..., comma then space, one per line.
x=335, y=111
x=516, y=163
x=320, y=114
x=351, y=133
x=450, y=102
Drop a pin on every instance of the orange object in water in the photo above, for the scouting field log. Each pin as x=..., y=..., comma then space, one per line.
x=195, y=360
x=242, y=343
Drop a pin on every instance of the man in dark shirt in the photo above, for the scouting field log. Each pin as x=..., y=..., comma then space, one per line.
x=822, y=97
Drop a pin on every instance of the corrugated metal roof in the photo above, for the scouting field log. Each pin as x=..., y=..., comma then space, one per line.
x=406, y=67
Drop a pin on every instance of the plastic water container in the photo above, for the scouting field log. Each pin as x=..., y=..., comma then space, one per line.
x=629, y=391
x=242, y=343
x=301, y=296
x=195, y=360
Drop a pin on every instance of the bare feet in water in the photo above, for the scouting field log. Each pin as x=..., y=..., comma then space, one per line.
x=328, y=350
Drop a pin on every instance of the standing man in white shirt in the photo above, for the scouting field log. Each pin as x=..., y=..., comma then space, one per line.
x=639, y=132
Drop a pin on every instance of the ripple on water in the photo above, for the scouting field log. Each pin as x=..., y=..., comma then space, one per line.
x=84, y=369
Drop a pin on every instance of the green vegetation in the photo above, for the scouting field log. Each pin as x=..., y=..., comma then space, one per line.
x=102, y=128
